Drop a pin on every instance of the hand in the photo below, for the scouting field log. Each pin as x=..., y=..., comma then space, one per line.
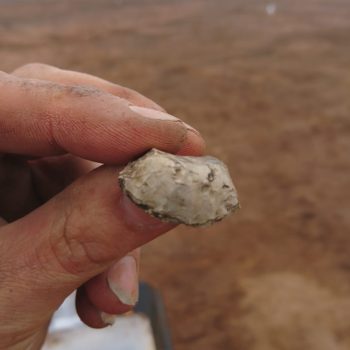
x=65, y=226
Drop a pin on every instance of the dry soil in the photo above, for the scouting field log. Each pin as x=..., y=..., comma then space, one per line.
x=270, y=94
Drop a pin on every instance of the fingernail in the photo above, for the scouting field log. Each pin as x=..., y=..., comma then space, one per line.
x=123, y=280
x=108, y=318
x=153, y=114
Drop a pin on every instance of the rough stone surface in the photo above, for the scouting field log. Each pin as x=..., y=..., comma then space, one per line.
x=181, y=189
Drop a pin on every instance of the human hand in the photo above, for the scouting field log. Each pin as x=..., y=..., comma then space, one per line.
x=64, y=226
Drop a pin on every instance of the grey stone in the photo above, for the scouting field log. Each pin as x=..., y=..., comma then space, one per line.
x=193, y=191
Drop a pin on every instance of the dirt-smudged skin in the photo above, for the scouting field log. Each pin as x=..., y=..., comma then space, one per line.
x=270, y=96
x=195, y=191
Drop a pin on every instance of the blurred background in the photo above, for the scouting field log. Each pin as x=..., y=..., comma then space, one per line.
x=267, y=84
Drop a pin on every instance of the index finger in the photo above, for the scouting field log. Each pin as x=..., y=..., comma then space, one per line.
x=40, y=118
x=46, y=72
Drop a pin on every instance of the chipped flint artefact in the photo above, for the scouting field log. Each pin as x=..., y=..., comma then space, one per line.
x=180, y=189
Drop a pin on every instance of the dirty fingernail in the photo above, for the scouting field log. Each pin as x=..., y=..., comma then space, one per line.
x=152, y=113
x=123, y=280
x=108, y=318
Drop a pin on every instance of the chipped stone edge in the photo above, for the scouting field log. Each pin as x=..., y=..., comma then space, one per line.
x=162, y=216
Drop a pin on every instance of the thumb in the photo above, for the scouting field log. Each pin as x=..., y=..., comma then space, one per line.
x=73, y=237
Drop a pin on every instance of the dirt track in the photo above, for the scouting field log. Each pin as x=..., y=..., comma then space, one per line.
x=271, y=96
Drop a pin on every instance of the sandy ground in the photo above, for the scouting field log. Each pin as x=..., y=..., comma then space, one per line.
x=271, y=96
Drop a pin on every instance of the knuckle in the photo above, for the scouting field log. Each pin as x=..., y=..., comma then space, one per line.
x=80, y=247
x=81, y=91
x=65, y=96
x=30, y=67
x=67, y=111
x=3, y=75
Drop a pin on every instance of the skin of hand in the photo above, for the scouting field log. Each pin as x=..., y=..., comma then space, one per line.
x=65, y=224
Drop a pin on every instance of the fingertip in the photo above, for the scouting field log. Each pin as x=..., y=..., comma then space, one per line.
x=87, y=312
x=193, y=145
x=108, y=319
x=114, y=291
x=137, y=220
